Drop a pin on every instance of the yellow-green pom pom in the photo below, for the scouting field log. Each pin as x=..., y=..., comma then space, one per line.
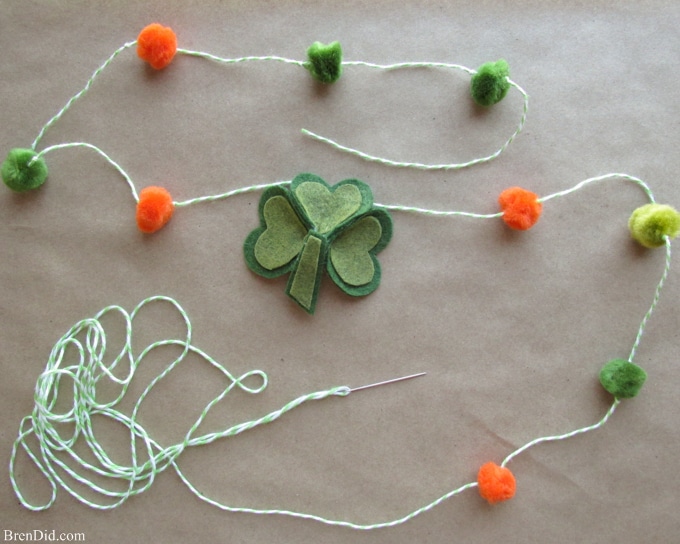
x=20, y=174
x=649, y=224
x=325, y=61
x=622, y=378
x=490, y=84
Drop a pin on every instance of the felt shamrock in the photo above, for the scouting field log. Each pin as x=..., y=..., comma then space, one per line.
x=311, y=227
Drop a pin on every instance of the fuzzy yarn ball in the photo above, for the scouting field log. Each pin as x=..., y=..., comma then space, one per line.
x=622, y=378
x=521, y=208
x=157, y=45
x=325, y=61
x=18, y=175
x=496, y=483
x=490, y=84
x=649, y=224
x=154, y=209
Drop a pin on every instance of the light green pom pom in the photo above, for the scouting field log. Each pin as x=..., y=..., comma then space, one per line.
x=622, y=378
x=649, y=224
x=18, y=175
x=325, y=61
x=490, y=84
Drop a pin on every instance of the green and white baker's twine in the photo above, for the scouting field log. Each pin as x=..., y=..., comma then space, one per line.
x=336, y=145
x=79, y=364
x=88, y=339
x=56, y=454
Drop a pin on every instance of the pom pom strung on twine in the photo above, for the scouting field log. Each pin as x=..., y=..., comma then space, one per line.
x=157, y=45
x=21, y=173
x=154, y=209
x=490, y=84
x=496, y=484
x=651, y=223
x=622, y=378
x=521, y=208
x=325, y=61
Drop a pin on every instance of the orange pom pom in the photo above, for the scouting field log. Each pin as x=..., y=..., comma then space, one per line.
x=521, y=208
x=496, y=483
x=154, y=209
x=157, y=45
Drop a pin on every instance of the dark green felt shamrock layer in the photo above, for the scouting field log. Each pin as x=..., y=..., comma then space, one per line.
x=311, y=227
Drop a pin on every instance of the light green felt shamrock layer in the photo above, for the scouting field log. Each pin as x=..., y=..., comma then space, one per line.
x=281, y=242
x=350, y=251
x=352, y=263
x=270, y=253
x=325, y=209
x=304, y=282
x=312, y=227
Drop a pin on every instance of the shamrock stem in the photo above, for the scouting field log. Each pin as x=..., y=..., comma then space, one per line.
x=303, y=285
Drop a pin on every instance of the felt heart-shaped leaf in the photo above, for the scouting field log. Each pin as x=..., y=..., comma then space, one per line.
x=327, y=207
x=352, y=261
x=350, y=251
x=283, y=237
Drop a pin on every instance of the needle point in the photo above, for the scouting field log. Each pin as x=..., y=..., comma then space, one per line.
x=394, y=380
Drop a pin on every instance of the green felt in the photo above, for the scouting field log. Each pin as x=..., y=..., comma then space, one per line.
x=325, y=61
x=282, y=240
x=649, y=224
x=326, y=208
x=322, y=210
x=349, y=254
x=313, y=227
x=20, y=177
x=490, y=84
x=622, y=378
x=254, y=236
x=304, y=282
x=350, y=251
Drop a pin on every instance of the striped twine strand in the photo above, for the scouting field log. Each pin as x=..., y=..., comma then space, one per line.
x=304, y=64
x=88, y=339
x=90, y=368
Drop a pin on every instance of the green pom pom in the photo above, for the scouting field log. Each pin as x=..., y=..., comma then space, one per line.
x=18, y=175
x=649, y=224
x=325, y=61
x=490, y=84
x=622, y=378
